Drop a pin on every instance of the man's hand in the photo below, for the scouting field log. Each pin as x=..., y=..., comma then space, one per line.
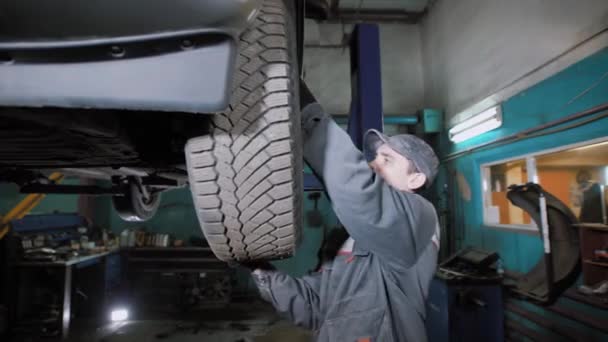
x=260, y=274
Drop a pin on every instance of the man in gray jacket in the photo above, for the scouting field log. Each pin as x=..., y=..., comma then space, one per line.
x=376, y=286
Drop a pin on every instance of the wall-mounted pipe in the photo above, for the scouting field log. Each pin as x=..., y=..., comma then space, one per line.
x=330, y=11
x=377, y=16
x=388, y=119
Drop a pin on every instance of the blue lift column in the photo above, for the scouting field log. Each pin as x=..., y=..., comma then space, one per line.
x=366, y=80
x=366, y=83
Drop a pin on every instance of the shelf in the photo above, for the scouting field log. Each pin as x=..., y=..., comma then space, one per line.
x=180, y=270
x=593, y=226
x=167, y=249
x=174, y=260
x=596, y=263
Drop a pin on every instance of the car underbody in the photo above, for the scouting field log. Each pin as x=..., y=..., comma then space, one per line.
x=136, y=107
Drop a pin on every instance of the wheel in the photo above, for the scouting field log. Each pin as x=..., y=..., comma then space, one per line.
x=134, y=206
x=246, y=176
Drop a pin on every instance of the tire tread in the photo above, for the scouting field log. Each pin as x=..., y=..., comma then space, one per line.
x=246, y=176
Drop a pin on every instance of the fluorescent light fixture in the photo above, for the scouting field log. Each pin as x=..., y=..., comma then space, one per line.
x=118, y=315
x=485, y=121
x=590, y=146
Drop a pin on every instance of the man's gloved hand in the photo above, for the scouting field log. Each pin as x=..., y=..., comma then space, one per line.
x=260, y=274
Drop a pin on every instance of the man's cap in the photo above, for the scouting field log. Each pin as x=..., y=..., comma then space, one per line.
x=410, y=146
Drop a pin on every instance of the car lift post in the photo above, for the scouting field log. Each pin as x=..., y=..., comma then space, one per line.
x=366, y=81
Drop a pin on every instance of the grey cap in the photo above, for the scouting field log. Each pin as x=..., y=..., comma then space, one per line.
x=409, y=146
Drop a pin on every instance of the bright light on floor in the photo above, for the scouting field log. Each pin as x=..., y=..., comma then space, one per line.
x=118, y=315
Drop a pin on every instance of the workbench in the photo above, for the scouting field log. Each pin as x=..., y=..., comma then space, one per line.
x=67, y=267
x=156, y=276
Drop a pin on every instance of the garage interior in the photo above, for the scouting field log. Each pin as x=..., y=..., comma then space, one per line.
x=512, y=96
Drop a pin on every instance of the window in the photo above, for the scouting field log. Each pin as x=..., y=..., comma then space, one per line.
x=499, y=210
x=575, y=175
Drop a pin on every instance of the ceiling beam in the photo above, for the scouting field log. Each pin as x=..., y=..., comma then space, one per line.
x=330, y=11
x=375, y=16
x=334, y=8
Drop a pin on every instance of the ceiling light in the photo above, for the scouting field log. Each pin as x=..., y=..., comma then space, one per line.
x=478, y=124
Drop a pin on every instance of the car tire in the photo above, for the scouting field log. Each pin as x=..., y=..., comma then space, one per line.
x=133, y=206
x=246, y=176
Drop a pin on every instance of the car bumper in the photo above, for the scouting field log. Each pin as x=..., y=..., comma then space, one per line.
x=174, y=56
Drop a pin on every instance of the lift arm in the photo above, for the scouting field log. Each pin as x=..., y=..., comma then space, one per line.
x=25, y=206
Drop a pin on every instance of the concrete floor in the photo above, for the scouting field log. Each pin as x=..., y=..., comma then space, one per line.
x=179, y=331
x=251, y=322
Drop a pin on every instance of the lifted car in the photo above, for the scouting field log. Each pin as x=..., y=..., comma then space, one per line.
x=156, y=95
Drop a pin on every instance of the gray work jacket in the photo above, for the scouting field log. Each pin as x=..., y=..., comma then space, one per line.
x=378, y=292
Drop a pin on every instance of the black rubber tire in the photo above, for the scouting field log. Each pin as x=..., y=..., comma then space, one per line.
x=132, y=207
x=246, y=176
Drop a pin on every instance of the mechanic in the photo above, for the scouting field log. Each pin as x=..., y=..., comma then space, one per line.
x=376, y=286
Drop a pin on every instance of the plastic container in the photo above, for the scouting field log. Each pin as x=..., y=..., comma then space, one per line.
x=124, y=238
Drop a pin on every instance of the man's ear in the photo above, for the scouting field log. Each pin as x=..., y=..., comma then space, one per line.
x=416, y=180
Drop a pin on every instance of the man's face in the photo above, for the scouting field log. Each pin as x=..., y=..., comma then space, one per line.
x=395, y=170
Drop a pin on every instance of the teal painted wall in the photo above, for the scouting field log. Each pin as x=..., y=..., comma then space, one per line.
x=175, y=216
x=579, y=87
x=10, y=196
x=104, y=215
